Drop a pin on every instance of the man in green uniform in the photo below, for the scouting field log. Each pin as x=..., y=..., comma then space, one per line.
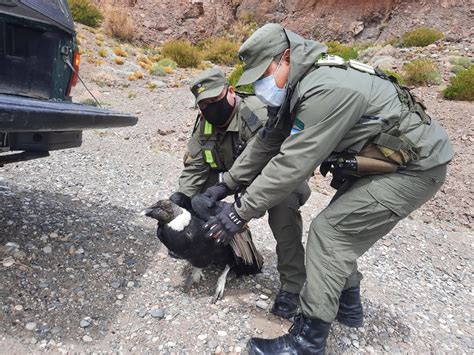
x=227, y=122
x=387, y=156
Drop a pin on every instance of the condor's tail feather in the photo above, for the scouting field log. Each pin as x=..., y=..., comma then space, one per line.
x=248, y=259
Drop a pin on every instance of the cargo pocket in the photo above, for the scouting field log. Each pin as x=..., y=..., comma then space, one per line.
x=358, y=211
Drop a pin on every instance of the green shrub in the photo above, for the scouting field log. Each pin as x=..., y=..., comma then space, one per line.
x=342, y=50
x=421, y=37
x=165, y=62
x=457, y=68
x=235, y=76
x=395, y=75
x=220, y=50
x=182, y=52
x=461, y=86
x=85, y=12
x=421, y=72
x=394, y=42
x=461, y=61
x=158, y=70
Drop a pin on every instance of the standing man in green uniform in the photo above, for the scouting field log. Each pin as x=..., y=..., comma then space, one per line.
x=353, y=121
x=227, y=122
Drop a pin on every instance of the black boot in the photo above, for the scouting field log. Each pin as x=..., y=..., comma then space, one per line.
x=286, y=304
x=350, y=311
x=307, y=336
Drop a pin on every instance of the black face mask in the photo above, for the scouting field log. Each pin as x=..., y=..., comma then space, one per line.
x=218, y=113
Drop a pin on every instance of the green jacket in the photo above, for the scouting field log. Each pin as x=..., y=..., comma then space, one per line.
x=212, y=150
x=329, y=109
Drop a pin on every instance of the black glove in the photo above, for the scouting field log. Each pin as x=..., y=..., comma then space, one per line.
x=216, y=193
x=181, y=200
x=224, y=226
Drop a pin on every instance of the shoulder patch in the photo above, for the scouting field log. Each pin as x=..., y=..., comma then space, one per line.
x=298, y=126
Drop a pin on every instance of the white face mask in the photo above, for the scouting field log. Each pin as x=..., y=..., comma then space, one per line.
x=268, y=92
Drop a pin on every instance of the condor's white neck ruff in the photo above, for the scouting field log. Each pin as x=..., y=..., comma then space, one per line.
x=182, y=221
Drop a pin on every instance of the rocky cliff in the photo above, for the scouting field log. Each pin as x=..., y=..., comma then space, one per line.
x=368, y=20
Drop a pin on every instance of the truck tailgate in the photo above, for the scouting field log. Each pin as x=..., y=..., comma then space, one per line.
x=19, y=114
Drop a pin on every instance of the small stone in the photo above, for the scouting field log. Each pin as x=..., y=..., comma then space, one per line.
x=120, y=296
x=116, y=284
x=8, y=261
x=157, y=313
x=86, y=338
x=130, y=284
x=221, y=333
x=18, y=307
x=386, y=347
x=43, y=284
x=84, y=323
x=346, y=341
x=370, y=349
x=238, y=349
x=212, y=344
x=262, y=304
x=355, y=343
x=202, y=336
x=142, y=313
x=263, y=297
x=79, y=251
x=47, y=249
x=56, y=330
x=30, y=326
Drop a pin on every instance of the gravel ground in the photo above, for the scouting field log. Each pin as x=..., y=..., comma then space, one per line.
x=81, y=270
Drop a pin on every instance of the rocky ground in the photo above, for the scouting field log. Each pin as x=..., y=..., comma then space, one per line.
x=81, y=270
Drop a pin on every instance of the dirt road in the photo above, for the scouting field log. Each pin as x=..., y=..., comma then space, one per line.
x=81, y=270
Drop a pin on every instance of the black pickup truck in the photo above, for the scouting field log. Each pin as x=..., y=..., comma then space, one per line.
x=39, y=65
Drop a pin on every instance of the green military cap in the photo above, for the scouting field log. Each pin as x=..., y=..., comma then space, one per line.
x=259, y=49
x=209, y=83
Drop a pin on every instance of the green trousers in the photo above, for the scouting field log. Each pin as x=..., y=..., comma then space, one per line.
x=287, y=227
x=350, y=225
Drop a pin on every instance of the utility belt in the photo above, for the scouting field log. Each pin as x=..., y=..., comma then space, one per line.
x=387, y=152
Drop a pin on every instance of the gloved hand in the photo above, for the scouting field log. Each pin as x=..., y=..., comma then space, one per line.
x=216, y=193
x=224, y=226
x=181, y=200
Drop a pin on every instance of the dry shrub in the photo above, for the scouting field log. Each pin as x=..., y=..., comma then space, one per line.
x=138, y=74
x=220, y=50
x=120, y=52
x=118, y=24
x=95, y=61
x=241, y=30
x=182, y=52
x=168, y=70
x=119, y=60
x=421, y=72
x=103, y=52
x=132, y=77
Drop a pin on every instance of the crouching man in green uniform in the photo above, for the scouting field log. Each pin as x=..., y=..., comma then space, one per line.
x=387, y=156
x=227, y=122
